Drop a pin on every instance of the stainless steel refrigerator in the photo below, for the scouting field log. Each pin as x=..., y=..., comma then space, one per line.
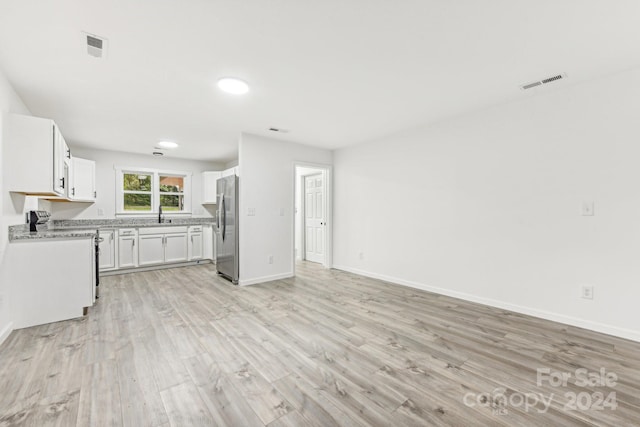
x=227, y=234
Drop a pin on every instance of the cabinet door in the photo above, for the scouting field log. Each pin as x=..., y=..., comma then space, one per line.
x=207, y=242
x=195, y=246
x=175, y=249
x=59, y=157
x=107, y=250
x=127, y=252
x=151, y=249
x=82, y=179
x=209, y=180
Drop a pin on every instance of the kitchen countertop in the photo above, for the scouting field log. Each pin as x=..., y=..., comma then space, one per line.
x=89, y=228
x=21, y=232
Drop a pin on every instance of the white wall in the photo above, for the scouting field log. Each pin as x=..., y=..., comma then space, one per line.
x=9, y=103
x=487, y=206
x=267, y=184
x=106, y=161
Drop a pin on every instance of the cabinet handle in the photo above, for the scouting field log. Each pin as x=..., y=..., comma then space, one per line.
x=133, y=242
x=73, y=191
x=95, y=194
x=68, y=153
x=62, y=181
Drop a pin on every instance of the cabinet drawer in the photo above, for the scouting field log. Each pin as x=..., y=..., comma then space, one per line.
x=127, y=232
x=195, y=229
x=163, y=230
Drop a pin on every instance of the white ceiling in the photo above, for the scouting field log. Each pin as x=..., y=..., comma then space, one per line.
x=333, y=72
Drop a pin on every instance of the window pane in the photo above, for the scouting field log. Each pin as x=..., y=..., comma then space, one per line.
x=137, y=182
x=172, y=203
x=171, y=184
x=137, y=202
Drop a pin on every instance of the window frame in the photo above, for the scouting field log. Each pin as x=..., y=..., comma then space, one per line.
x=155, y=190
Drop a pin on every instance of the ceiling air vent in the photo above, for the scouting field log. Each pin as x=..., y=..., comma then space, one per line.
x=543, y=81
x=96, y=46
x=279, y=130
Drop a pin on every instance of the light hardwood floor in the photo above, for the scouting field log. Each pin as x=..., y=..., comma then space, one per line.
x=182, y=347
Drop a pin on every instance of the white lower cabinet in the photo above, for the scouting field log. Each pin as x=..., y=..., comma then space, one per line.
x=196, y=249
x=127, y=248
x=207, y=242
x=58, y=287
x=107, y=250
x=159, y=245
x=175, y=247
x=151, y=249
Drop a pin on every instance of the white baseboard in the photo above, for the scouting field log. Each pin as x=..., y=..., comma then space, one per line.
x=4, y=334
x=629, y=334
x=255, y=281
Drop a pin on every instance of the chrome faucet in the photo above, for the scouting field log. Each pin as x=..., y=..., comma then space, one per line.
x=160, y=219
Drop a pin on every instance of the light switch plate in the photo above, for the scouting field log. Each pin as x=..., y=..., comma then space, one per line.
x=587, y=209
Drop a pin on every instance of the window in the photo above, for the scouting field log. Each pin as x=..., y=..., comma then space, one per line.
x=137, y=192
x=171, y=193
x=140, y=191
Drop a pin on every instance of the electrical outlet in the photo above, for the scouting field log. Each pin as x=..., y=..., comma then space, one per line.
x=281, y=211
x=588, y=208
x=1, y=301
x=100, y=212
x=361, y=255
x=251, y=211
x=587, y=292
x=270, y=259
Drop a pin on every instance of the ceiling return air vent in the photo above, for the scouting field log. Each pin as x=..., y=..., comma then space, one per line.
x=96, y=46
x=543, y=81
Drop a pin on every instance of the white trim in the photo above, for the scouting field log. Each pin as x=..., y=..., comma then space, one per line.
x=6, y=332
x=264, y=279
x=155, y=191
x=327, y=173
x=629, y=334
x=127, y=270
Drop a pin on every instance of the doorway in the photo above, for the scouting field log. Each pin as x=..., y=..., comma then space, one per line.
x=312, y=238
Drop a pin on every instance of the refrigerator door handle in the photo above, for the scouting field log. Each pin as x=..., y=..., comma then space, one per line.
x=218, y=215
x=224, y=219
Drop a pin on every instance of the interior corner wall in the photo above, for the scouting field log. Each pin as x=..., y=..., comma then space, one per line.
x=266, y=184
x=487, y=206
x=9, y=103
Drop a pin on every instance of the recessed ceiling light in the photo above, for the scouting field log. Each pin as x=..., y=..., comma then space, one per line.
x=233, y=86
x=167, y=144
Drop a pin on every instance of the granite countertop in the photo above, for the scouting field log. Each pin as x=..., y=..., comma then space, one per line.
x=89, y=228
x=21, y=232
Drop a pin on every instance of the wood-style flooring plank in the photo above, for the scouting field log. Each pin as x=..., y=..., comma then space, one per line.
x=327, y=348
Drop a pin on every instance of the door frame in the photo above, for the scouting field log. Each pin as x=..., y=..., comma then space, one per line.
x=303, y=208
x=327, y=173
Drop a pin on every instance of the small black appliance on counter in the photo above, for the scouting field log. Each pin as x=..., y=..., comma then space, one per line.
x=35, y=218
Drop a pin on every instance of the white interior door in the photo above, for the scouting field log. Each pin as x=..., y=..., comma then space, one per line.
x=314, y=218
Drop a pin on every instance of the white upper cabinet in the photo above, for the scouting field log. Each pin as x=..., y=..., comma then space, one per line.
x=209, y=178
x=82, y=180
x=230, y=171
x=36, y=157
x=61, y=156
